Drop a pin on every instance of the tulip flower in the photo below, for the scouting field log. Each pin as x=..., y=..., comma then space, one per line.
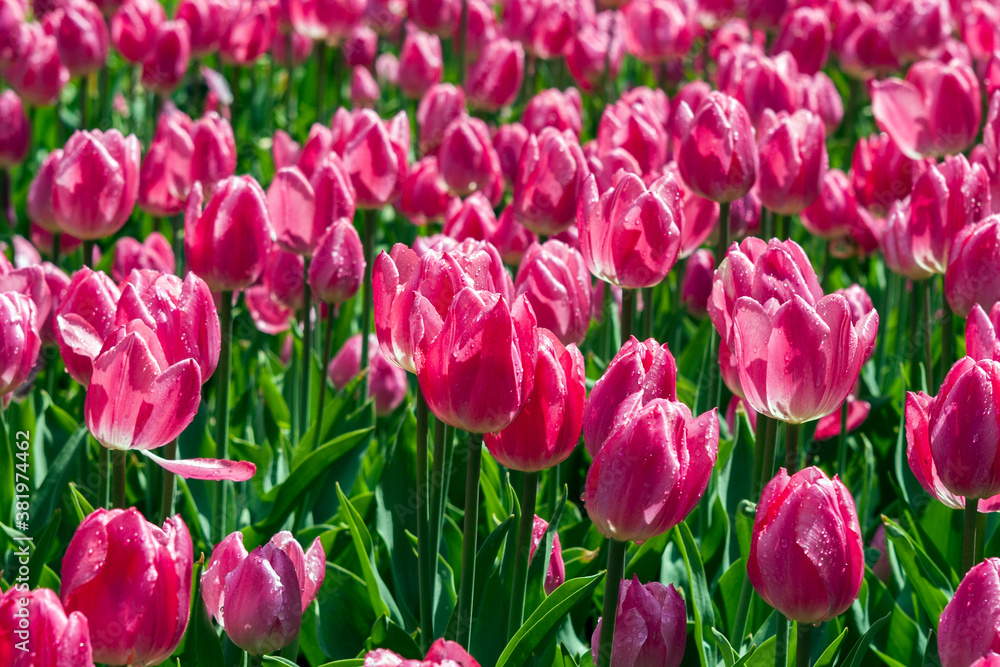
x=338, y=264
x=268, y=315
x=640, y=373
x=302, y=209
x=544, y=27
x=587, y=58
x=495, y=77
x=96, y=183
x=226, y=244
x=635, y=127
x=376, y=156
x=981, y=340
x=481, y=28
x=443, y=653
x=554, y=108
x=546, y=431
x=208, y=20
x=556, y=282
x=39, y=203
x=19, y=339
x=259, y=598
x=134, y=28
x=82, y=37
x=165, y=67
x=512, y=240
x=820, y=96
x=467, y=160
x=555, y=574
x=132, y=580
x=283, y=277
x=828, y=427
x=84, y=320
x=652, y=471
x=154, y=253
x=935, y=111
x=434, y=16
x=793, y=160
x=919, y=28
x=166, y=176
x=967, y=629
x=768, y=83
x=508, y=142
x=651, y=626
x=806, y=34
x=249, y=33
x=425, y=196
x=302, y=48
x=806, y=555
x=718, y=156
x=440, y=105
x=629, y=235
x=971, y=277
x=15, y=130
x=987, y=153
x=214, y=154
x=550, y=181
x=35, y=631
x=364, y=89
x=387, y=382
x=833, y=211
x=470, y=219
x=37, y=74
x=479, y=337
x=882, y=174
x=696, y=286
x=420, y=63
x=659, y=30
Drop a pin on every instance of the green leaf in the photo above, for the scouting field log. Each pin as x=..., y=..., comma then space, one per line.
x=6, y=471
x=353, y=662
x=83, y=508
x=46, y=499
x=272, y=395
x=701, y=600
x=931, y=586
x=202, y=646
x=276, y=660
x=386, y=634
x=728, y=654
x=42, y=546
x=857, y=654
x=826, y=659
x=544, y=621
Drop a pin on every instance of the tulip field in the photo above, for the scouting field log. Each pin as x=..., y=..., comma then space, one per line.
x=500, y=333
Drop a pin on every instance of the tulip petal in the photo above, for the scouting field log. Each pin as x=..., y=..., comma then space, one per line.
x=899, y=110
x=208, y=469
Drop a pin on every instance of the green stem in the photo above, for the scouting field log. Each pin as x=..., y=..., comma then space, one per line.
x=760, y=437
x=290, y=70
x=980, y=536
x=88, y=253
x=612, y=588
x=223, y=373
x=781, y=642
x=6, y=204
x=254, y=660
x=307, y=345
x=167, y=496
x=914, y=319
x=104, y=476
x=925, y=288
x=366, y=293
x=609, y=83
x=425, y=561
x=842, y=441
x=792, y=447
x=469, y=540
x=463, y=31
x=528, y=499
x=742, y=610
x=177, y=225
x=84, y=100
x=103, y=100
x=715, y=378
x=321, y=58
x=785, y=226
x=324, y=380
x=969, y=535
x=628, y=314
x=119, y=458
x=803, y=645
x=767, y=468
x=647, y=313
x=947, y=336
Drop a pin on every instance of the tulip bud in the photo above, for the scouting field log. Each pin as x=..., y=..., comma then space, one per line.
x=364, y=90
x=509, y=142
x=659, y=30
x=420, y=63
x=39, y=204
x=495, y=78
x=651, y=626
x=214, y=156
x=981, y=333
x=84, y=319
x=35, y=631
x=550, y=180
x=227, y=243
x=546, y=431
x=806, y=555
x=15, y=130
x=472, y=218
x=134, y=27
x=360, y=46
x=338, y=265
x=640, y=373
x=714, y=173
x=165, y=68
x=919, y=28
x=283, y=278
x=82, y=38
x=882, y=174
x=935, y=111
x=636, y=128
x=302, y=210
x=96, y=183
x=512, y=240
x=768, y=83
x=376, y=159
x=435, y=16
x=268, y=315
x=285, y=150
x=443, y=653
x=440, y=105
x=555, y=574
x=467, y=160
x=834, y=210
x=629, y=235
x=338, y=17
x=544, y=27
x=208, y=20
x=587, y=58
x=425, y=196
x=149, y=608
x=652, y=471
x=249, y=33
x=480, y=336
x=556, y=282
x=967, y=629
x=806, y=34
x=165, y=178
x=387, y=382
x=828, y=427
x=793, y=160
x=696, y=286
x=19, y=339
x=554, y=108
x=154, y=253
x=822, y=98
x=37, y=74
x=971, y=277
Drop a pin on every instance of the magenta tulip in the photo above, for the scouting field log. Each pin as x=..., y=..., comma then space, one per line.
x=301, y=209
x=166, y=176
x=834, y=210
x=467, y=160
x=981, y=341
x=39, y=203
x=386, y=381
x=828, y=427
x=544, y=27
x=806, y=34
x=214, y=155
x=554, y=108
x=283, y=278
x=555, y=574
x=420, y=63
x=882, y=174
x=425, y=195
x=550, y=180
x=165, y=67
x=35, y=631
x=19, y=339
x=555, y=280
x=376, y=158
x=208, y=20
x=472, y=218
x=82, y=37
x=634, y=126
x=84, y=319
x=587, y=58
x=249, y=33
x=134, y=27
x=439, y=106
x=495, y=77
x=718, y=155
x=971, y=276
x=36, y=73
x=793, y=160
x=696, y=286
x=968, y=628
x=361, y=46
x=650, y=626
x=767, y=83
x=443, y=653
x=154, y=253
x=15, y=130
x=338, y=264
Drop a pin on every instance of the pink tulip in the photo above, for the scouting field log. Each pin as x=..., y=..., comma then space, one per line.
x=979, y=28
x=154, y=253
x=181, y=312
x=981, y=340
x=467, y=160
x=39, y=203
x=971, y=276
x=387, y=382
x=833, y=211
x=302, y=48
x=481, y=29
x=364, y=89
x=640, y=373
x=302, y=209
x=319, y=144
x=214, y=155
x=495, y=77
x=651, y=626
x=132, y=580
x=828, y=427
x=361, y=46
x=249, y=33
x=555, y=574
x=420, y=63
x=284, y=150
x=12, y=20
x=635, y=127
x=96, y=183
x=919, y=27
x=37, y=632
x=806, y=34
x=15, y=130
x=36, y=73
x=376, y=157
x=226, y=244
x=443, y=653
x=652, y=471
x=554, y=108
x=84, y=319
x=509, y=141
x=442, y=103
x=881, y=174
x=793, y=160
x=967, y=629
x=479, y=337
x=511, y=239
x=935, y=111
x=820, y=96
x=544, y=27
x=338, y=264
x=800, y=520
x=862, y=39
x=166, y=66
x=19, y=339
x=987, y=154
x=696, y=286
x=83, y=38
x=629, y=235
x=134, y=27
x=208, y=20
x=268, y=315
x=165, y=177
x=546, y=431
x=259, y=598
x=283, y=278
x=718, y=155
x=659, y=30
x=587, y=57
x=556, y=282
x=338, y=17
x=472, y=218
x=434, y=16
x=425, y=196
x=550, y=180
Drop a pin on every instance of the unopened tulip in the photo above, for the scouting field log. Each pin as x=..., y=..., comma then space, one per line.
x=967, y=629
x=472, y=218
x=768, y=83
x=987, y=153
x=165, y=177
x=820, y=96
x=19, y=338
x=659, y=30
x=509, y=142
x=442, y=104
x=718, y=155
x=512, y=240
x=555, y=574
x=130, y=576
x=214, y=155
x=376, y=156
x=425, y=195
x=828, y=427
x=495, y=78
x=166, y=66
x=84, y=319
x=543, y=26
x=249, y=33
x=635, y=127
x=443, y=653
x=338, y=17
x=387, y=382
x=338, y=263
x=153, y=253
x=479, y=337
x=268, y=315
x=587, y=58
x=467, y=160
x=554, y=108
x=208, y=20
x=833, y=211
x=181, y=312
x=96, y=183
x=37, y=73
x=134, y=27
x=364, y=89
x=652, y=471
x=556, y=282
x=82, y=38
x=39, y=203
x=801, y=521
x=651, y=626
x=302, y=209
x=640, y=373
x=629, y=235
x=481, y=27
x=361, y=46
x=227, y=243
x=882, y=174
x=972, y=275
x=935, y=111
x=696, y=286
x=283, y=278
x=546, y=431
x=793, y=160
x=284, y=150
x=15, y=130
x=35, y=631
x=259, y=598
x=981, y=341
x=420, y=63
x=806, y=34
x=434, y=16
x=550, y=181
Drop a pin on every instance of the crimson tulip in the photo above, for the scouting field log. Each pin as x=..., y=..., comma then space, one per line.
x=718, y=155
x=15, y=130
x=793, y=160
x=550, y=181
x=386, y=381
x=82, y=37
x=132, y=580
x=467, y=160
x=165, y=67
x=651, y=626
x=971, y=276
x=134, y=28
x=84, y=320
x=967, y=629
x=338, y=264
x=37, y=632
x=555, y=280
x=495, y=77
